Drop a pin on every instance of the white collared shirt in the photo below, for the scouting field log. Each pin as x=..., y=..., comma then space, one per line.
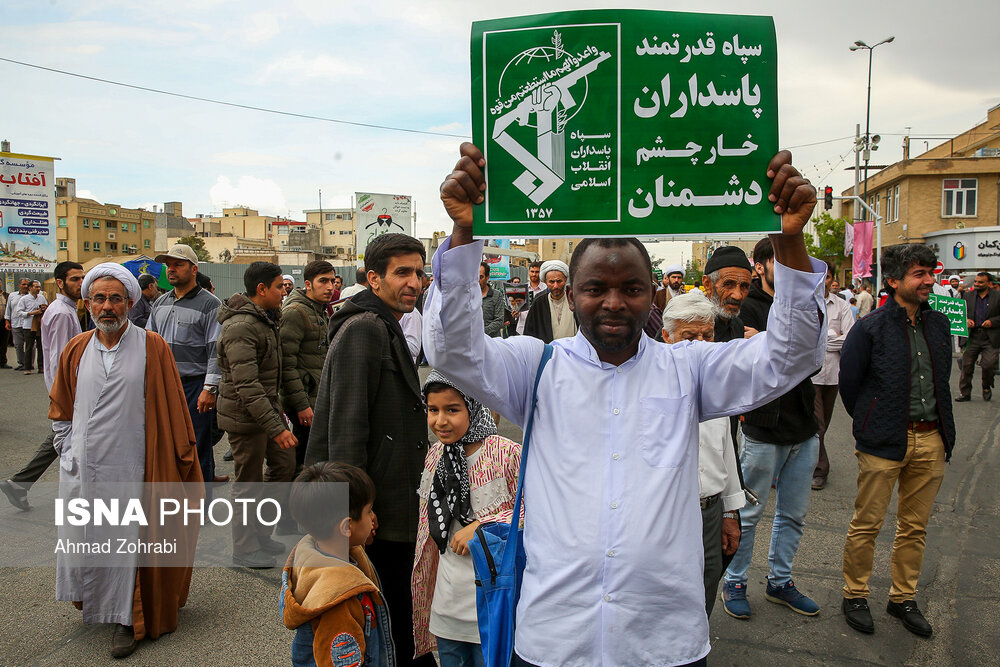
x=612, y=524
x=839, y=320
x=717, y=472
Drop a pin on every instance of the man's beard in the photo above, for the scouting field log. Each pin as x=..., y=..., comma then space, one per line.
x=111, y=326
x=720, y=307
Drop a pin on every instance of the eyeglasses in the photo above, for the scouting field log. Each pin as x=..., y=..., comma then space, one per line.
x=100, y=299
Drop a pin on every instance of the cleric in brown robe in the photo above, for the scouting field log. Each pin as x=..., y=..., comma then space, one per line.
x=107, y=431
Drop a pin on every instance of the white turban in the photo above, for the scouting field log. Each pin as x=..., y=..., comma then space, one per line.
x=116, y=271
x=673, y=268
x=553, y=265
x=288, y=277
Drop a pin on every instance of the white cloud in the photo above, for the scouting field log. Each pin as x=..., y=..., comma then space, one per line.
x=296, y=67
x=262, y=194
x=260, y=27
x=251, y=159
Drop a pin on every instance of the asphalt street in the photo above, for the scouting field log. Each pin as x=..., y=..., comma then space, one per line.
x=232, y=614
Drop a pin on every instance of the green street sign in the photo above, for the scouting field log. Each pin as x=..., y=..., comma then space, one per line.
x=625, y=123
x=955, y=309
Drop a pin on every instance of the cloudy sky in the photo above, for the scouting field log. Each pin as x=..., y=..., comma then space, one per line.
x=406, y=64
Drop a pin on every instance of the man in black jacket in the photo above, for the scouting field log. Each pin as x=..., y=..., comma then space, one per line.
x=894, y=371
x=369, y=413
x=983, y=312
x=779, y=442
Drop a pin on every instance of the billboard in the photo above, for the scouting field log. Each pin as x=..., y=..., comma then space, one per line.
x=379, y=214
x=499, y=264
x=27, y=212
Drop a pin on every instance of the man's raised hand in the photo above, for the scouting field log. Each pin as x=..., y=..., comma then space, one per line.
x=794, y=198
x=464, y=186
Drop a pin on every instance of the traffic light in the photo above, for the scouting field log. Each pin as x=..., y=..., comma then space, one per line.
x=827, y=198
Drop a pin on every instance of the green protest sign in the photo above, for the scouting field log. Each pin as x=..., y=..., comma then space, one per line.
x=955, y=310
x=625, y=123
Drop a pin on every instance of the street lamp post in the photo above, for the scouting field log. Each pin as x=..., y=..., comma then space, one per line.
x=860, y=45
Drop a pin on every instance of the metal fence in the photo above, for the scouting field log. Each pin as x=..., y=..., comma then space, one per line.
x=228, y=278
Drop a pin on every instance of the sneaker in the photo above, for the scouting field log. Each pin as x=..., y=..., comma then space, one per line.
x=857, y=615
x=255, y=560
x=789, y=595
x=16, y=494
x=735, y=598
x=910, y=615
x=963, y=399
x=228, y=456
x=122, y=641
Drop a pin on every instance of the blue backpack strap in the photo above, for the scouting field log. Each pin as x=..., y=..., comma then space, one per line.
x=514, y=539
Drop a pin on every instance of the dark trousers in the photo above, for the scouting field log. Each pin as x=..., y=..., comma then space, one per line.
x=978, y=347
x=302, y=434
x=711, y=535
x=4, y=344
x=38, y=464
x=202, y=422
x=393, y=563
x=826, y=398
x=250, y=452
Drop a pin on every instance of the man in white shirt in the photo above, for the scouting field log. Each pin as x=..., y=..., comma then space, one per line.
x=28, y=307
x=839, y=320
x=692, y=317
x=12, y=320
x=613, y=535
x=865, y=299
x=359, y=286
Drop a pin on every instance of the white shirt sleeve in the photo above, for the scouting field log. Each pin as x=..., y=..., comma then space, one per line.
x=738, y=376
x=499, y=372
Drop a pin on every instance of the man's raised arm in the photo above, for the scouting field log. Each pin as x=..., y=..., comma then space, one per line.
x=499, y=372
x=739, y=376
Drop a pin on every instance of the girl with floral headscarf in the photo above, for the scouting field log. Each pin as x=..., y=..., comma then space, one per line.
x=469, y=478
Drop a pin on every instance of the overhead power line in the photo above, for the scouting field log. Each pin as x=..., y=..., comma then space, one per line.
x=249, y=107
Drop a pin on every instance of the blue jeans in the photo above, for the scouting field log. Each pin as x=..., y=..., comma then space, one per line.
x=790, y=469
x=460, y=654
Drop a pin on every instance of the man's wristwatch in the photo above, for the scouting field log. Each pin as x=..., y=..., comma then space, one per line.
x=212, y=389
x=731, y=515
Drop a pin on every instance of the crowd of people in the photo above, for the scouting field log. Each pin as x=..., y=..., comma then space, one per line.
x=642, y=494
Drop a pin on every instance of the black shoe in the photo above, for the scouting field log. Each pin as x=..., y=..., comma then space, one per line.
x=255, y=560
x=911, y=617
x=17, y=496
x=987, y=394
x=857, y=615
x=819, y=481
x=288, y=527
x=122, y=641
x=228, y=456
x=19, y=367
x=963, y=399
x=272, y=546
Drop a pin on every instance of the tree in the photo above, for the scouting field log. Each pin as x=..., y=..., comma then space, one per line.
x=829, y=244
x=693, y=274
x=198, y=246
